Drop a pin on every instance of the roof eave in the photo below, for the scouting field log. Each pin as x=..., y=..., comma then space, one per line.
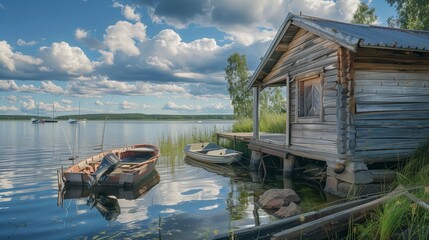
x=271, y=49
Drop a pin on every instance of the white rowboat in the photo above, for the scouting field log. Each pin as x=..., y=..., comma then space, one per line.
x=211, y=153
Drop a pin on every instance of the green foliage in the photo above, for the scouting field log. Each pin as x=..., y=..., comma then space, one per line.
x=411, y=14
x=272, y=101
x=364, y=15
x=237, y=76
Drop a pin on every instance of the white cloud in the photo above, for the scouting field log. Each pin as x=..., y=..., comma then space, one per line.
x=80, y=33
x=8, y=108
x=66, y=101
x=99, y=103
x=45, y=87
x=11, y=60
x=247, y=23
x=189, y=75
x=107, y=57
x=11, y=99
x=175, y=107
x=122, y=37
x=28, y=105
x=157, y=62
x=125, y=105
x=21, y=42
x=130, y=13
x=65, y=58
x=105, y=86
x=48, y=86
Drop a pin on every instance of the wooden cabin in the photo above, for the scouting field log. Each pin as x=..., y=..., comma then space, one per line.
x=358, y=98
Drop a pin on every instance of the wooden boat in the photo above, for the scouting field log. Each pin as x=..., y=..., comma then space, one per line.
x=105, y=199
x=122, y=167
x=211, y=153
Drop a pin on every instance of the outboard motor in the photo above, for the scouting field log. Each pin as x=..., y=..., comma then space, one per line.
x=109, y=163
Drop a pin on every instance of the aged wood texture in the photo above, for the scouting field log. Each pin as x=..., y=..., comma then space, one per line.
x=310, y=57
x=392, y=104
x=345, y=103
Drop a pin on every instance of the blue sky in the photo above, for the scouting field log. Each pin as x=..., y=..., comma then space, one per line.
x=140, y=56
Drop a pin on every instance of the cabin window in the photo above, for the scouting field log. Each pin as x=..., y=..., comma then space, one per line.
x=310, y=97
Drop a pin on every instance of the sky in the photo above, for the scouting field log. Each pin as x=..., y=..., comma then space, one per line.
x=138, y=56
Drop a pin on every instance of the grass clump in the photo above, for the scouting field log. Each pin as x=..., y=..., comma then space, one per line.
x=272, y=123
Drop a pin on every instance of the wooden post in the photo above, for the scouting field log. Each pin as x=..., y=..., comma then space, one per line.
x=256, y=91
x=287, y=110
x=255, y=160
x=288, y=166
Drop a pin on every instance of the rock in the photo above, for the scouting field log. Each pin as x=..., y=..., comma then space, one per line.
x=288, y=211
x=277, y=198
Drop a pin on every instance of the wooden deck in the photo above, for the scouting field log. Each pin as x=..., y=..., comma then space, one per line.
x=274, y=144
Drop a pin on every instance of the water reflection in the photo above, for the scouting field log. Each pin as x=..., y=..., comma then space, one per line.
x=221, y=169
x=105, y=199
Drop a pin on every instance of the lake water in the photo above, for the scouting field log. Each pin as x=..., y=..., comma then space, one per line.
x=183, y=201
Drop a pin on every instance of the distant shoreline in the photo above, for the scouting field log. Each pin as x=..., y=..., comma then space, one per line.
x=127, y=116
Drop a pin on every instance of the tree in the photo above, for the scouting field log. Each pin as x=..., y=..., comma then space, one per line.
x=364, y=14
x=237, y=77
x=411, y=14
x=272, y=101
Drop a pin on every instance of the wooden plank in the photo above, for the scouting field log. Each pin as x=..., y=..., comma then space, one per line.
x=393, y=82
x=321, y=127
x=418, y=201
x=392, y=123
x=393, y=75
x=392, y=90
x=386, y=133
x=374, y=144
x=380, y=107
x=390, y=67
x=329, y=136
x=390, y=98
x=297, y=232
x=384, y=155
x=265, y=231
x=405, y=115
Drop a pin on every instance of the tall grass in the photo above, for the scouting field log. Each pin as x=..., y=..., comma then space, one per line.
x=400, y=217
x=172, y=146
x=273, y=123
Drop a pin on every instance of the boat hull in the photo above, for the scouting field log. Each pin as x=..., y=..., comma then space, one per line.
x=212, y=153
x=136, y=163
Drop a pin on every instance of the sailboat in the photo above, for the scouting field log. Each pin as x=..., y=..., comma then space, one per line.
x=37, y=120
x=51, y=120
x=74, y=121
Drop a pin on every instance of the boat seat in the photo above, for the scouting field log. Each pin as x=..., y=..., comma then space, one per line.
x=216, y=152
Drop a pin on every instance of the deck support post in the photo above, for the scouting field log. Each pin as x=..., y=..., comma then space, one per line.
x=256, y=91
x=255, y=160
x=288, y=163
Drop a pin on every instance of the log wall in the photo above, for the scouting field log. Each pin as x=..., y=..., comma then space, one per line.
x=309, y=55
x=392, y=104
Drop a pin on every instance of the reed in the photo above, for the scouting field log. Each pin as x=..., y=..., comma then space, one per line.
x=172, y=146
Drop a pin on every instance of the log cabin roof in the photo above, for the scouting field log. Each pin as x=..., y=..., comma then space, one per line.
x=350, y=36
